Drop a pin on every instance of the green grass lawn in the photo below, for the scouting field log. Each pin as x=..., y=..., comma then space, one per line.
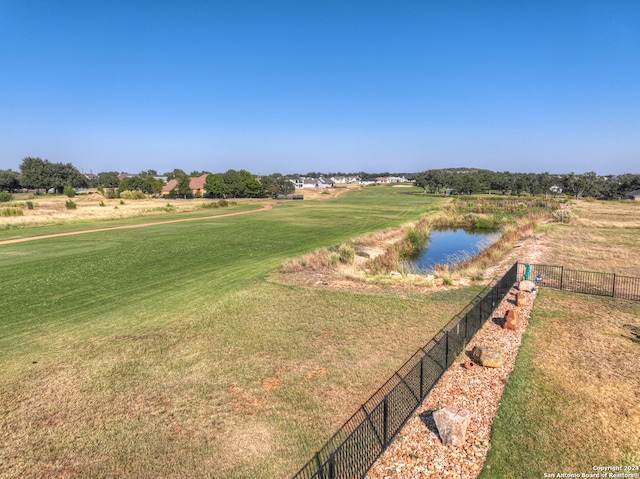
x=163, y=351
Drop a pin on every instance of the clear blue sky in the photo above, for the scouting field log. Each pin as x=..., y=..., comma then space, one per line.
x=297, y=86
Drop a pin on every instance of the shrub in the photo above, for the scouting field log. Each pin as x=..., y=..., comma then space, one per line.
x=70, y=204
x=413, y=242
x=559, y=216
x=69, y=191
x=29, y=205
x=417, y=237
x=213, y=204
x=111, y=193
x=132, y=195
x=334, y=259
x=5, y=196
x=346, y=254
x=223, y=203
x=11, y=212
x=122, y=202
x=101, y=203
x=101, y=190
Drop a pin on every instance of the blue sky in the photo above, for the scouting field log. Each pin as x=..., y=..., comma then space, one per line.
x=331, y=86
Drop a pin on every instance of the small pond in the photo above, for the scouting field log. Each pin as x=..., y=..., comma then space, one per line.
x=451, y=246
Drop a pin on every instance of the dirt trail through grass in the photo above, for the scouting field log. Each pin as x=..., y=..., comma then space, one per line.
x=139, y=225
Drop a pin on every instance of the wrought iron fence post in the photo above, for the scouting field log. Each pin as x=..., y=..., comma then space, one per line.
x=613, y=290
x=446, y=350
x=319, y=465
x=561, y=276
x=422, y=378
x=332, y=466
x=385, y=420
x=466, y=322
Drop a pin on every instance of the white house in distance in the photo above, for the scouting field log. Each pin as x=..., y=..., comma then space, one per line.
x=345, y=180
x=392, y=179
x=301, y=182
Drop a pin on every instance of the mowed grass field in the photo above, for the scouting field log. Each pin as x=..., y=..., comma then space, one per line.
x=573, y=401
x=164, y=351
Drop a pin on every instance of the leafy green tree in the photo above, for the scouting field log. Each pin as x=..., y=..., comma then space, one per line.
x=251, y=187
x=147, y=184
x=108, y=179
x=184, y=185
x=285, y=186
x=35, y=173
x=9, y=180
x=65, y=174
x=215, y=186
x=431, y=180
x=575, y=184
x=468, y=183
x=269, y=186
x=233, y=183
x=38, y=173
x=174, y=174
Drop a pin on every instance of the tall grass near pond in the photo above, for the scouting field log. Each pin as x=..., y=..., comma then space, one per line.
x=515, y=220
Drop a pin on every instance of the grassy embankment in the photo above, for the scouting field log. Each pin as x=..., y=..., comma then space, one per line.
x=379, y=253
x=163, y=351
x=573, y=400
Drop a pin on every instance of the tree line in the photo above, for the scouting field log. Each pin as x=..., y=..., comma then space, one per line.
x=42, y=175
x=38, y=174
x=466, y=181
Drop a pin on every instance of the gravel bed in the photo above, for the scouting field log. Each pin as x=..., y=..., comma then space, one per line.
x=417, y=451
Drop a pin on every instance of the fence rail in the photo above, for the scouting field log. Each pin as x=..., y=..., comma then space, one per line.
x=362, y=439
x=587, y=282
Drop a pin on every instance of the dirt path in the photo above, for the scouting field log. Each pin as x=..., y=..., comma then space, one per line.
x=139, y=225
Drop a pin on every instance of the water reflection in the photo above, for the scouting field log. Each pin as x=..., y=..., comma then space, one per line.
x=451, y=246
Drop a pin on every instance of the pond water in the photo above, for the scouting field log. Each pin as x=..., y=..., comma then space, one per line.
x=452, y=245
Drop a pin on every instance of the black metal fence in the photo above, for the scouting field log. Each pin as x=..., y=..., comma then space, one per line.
x=588, y=282
x=362, y=439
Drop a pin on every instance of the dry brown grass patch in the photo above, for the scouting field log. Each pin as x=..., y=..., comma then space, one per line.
x=588, y=356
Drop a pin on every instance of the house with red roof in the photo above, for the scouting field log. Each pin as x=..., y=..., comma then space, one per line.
x=196, y=184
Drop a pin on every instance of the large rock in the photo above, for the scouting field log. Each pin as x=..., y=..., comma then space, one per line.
x=527, y=286
x=510, y=320
x=452, y=425
x=488, y=357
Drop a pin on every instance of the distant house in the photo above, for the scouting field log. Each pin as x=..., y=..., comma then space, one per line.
x=345, y=180
x=325, y=183
x=391, y=179
x=368, y=181
x=196, y=184
x=633, y=195
x=297, y=181
x=304, y=182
